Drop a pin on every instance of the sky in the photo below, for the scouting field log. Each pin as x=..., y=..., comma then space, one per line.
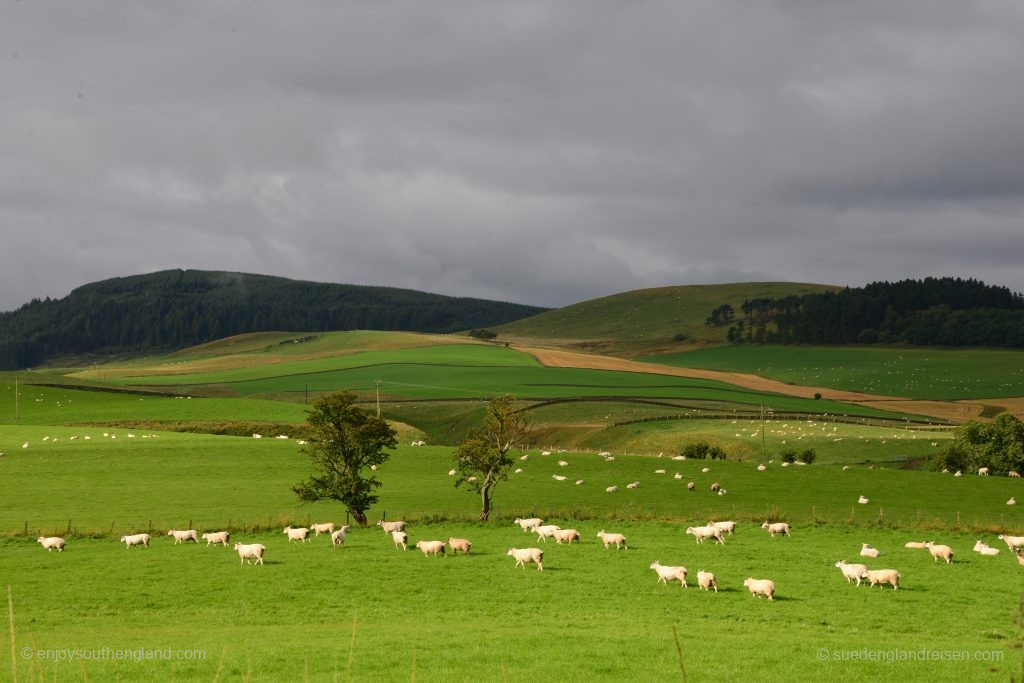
x=537, y=152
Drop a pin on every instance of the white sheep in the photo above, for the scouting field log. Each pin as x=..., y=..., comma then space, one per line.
x=182, y=536
x=434, y=548
x=863, y=501
x=759, y=587
x=519, y=470
x=300, y=534
x=916, y=544
x=705, y=470
x=761, y=468
x=611, y=489
x=633, y=485
x=1014, y=474
x=135, y=539
x=958, y=473
x=567, y=535
x=457, y=544
x=608, y=538
x=52, y=543
x=982, y=471
x=388, y=527
x=728, y=527
x=702, y=532
x=706, y=580
x=883, y=576
x=677, y=475
x=1012, y=501
x=452, y=472
x=524, y=556
x=690, y=486
x=659, y=471
x=579, y=482
x=545, y=452
x=212, y=537
x=563, y=463
x=249, y=552
x=545, y=531
x=401, y=539
x=558, y=477
x=715, y=487
x=324, y=528
x=668, y=573
x=867, y=551
x=940, y=551
x=852, y=572
x=984, y=549
x=777, y=528
x=338, y=536
x=1012, y=542
x=530, y=523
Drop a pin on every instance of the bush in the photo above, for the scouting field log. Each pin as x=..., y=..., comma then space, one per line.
x=702, y=451
x=788, y=455
x=485, y=335
x=680, y=337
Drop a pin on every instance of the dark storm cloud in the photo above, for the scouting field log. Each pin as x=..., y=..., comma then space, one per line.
x=536, y=152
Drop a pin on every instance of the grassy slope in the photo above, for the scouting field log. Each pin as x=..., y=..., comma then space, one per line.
x=646, y=320
x=923, y=373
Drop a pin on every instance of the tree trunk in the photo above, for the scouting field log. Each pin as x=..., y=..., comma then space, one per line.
x=359, y=516
x=485, y=498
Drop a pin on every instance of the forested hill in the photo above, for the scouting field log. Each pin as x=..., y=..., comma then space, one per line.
x=933, y=311
x=178, y=308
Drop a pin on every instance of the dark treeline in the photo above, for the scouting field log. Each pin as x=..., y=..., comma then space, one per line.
x=933, y=311
x=175, y=309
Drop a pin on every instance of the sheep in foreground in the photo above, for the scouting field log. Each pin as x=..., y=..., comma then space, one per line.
x=984, y=549
x=135, y=539
x=530, y=523
x=567, y=535
x=401, y=539
x=524, y=556
x=1014, y=474
x=457, y=544
x=300, y=534
x=940, y=551
x=867, y=551
x=249, y=552
x=608, y=538
x=212, y=537
x=916, y=544
x=338, y=536
x=728, y=527
x=1012, y=542
x=883, y=577
x=325, y=528
x=777, y=528
x=398, y=525
x=52, y=543
x=982, y=471
x=759, y=587
x=182, y=536
x=434, y=548
x=852, y=572
x=667, y=573
x=700, y=533
x=706, y=580
x=546, y=531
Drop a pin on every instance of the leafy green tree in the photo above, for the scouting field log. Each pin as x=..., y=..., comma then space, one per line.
x=998, y=445
x=345, y=441
x=482, y=460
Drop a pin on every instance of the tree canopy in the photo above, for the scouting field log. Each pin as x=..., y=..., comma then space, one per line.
x=346, y=441
x=997, y=445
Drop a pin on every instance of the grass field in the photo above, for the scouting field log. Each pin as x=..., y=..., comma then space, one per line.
x=937, y=374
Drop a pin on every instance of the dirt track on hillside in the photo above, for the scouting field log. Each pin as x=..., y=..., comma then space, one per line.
x=957, y=411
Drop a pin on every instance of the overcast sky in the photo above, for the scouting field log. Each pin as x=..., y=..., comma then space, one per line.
x=536, y=152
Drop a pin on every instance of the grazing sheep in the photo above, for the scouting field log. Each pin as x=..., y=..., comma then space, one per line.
x=530, y=523
x=519, y=470
x=727, y=527
x=1014, y=474
x=51, y=543
x=452, y=472
x=338, y=536
x=937, y=551
x=434, y=548
x=863, y=501
x=618, y=539
x=984, y=549
x=567, y=535
x=690, y=486
x=558, y=477
x=882, y=576
x=705, y=470
x=457, y=544
x=182, y=536
x=677, y=476
x=401, y=539
x=524, y=457
x=252, y=551
x=916, y=544
x=545, y=452
x=546, y=530
x=706, y=580
x=666, y=573
x=633, y=485
x=845, y=467
x=852, y=572
x=759, y=587
x=579, y=482
x=300, y=534
x=471, y=480
x=135, y=539
x=604, y=454
x=702, y=532
x=777, y=528
x=611, y=489
x=391, y=526
x=761, y=468
x=221, y=537
x=1012, y=542
x=982, y=471
x=524, y=556
x=722, y=492
x=867, y=551
x=562, y=463
x=715, y=487
x=1012, y=501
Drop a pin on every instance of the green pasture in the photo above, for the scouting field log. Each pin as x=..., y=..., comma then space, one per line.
x=933, y=374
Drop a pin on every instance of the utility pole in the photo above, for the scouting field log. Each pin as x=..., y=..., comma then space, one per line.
x=17, y=407
x=378, y=398
x=762, y=431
